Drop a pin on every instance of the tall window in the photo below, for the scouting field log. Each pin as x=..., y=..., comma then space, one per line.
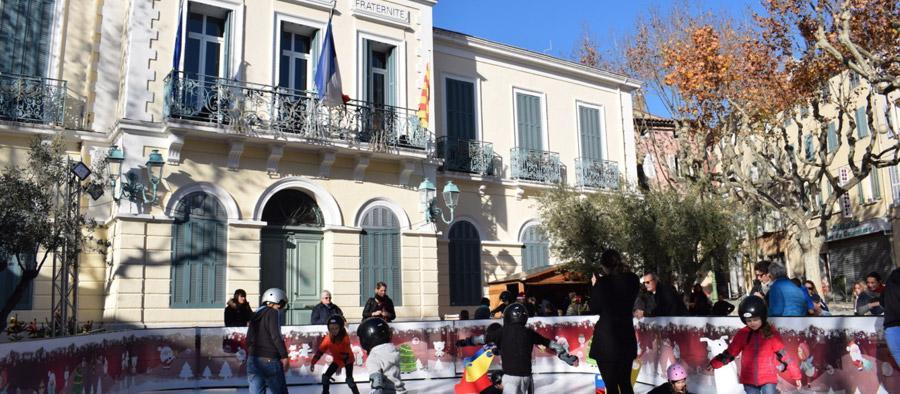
x=875, y=183
x=862, y=123
x=25, y=28
x=809, y=147
x=464, y=257
x=832, y=137
x=206, y=46
x=379, y=254
x=537, y=248
x=460, y=110
x=10, y=278
x=894, y=174
x=296, y=63
x=381, y=72
x=589, y=123
x=198, y=252
x=529, y=121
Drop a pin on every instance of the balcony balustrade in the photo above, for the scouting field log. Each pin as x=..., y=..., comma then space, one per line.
x=254, y=108
x=535, y=165
x=32, y=100
x=464, y=155
x=600, y=174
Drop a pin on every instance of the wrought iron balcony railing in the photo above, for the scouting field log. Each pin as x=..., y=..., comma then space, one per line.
x=32, y=100
x=535, y=165
x=254, y=108
x=601, y=174
x=466, y=155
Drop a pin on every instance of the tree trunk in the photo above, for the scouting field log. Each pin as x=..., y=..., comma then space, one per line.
x=810, y=246
x=27, y=278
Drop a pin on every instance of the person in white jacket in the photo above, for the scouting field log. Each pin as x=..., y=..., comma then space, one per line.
x=384, y=359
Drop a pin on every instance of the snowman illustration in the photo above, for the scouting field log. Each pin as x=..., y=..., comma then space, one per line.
x=166, y=356
x=293, y=353
x=856, y=355
x=806, y=360
x=51, y=382
x=241, y=355
x=438, y=349
x=304, y=350
x=357, y=354
x=562, y=341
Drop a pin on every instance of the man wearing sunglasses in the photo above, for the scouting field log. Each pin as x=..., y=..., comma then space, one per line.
x=763, y=280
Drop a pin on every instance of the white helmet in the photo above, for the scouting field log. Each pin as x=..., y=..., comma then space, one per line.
x=275, y=296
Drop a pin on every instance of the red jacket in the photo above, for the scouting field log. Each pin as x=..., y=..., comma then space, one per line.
x=760, y=357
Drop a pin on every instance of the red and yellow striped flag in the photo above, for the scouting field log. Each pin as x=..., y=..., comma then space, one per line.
x=425, y=99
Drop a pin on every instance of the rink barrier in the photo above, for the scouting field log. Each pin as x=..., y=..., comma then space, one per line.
x=835, y=353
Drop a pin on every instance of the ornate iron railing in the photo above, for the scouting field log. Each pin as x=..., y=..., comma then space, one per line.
x=466, y=155
x=601, y=174
x=253, y=108
x=32, y=100
x=535, y=165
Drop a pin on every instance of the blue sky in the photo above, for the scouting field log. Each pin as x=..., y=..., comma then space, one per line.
x=554, y=27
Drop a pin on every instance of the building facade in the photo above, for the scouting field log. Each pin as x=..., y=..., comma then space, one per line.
x=264, y=184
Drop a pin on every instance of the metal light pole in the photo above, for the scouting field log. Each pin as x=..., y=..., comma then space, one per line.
x=64, y=286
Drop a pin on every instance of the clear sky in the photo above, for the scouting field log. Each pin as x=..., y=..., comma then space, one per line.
x=554, y=27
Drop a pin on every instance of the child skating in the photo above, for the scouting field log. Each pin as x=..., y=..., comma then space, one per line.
x=516, y=342
x=677, y=381
x=337, y=342
x=761, y=349
x=384, y=359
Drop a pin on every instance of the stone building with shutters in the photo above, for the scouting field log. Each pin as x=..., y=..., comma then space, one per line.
x=265, y=185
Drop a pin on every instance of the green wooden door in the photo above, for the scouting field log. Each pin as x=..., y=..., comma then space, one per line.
x=292, y=260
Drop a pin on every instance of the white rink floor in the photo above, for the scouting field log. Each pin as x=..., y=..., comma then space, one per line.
x=544, y=383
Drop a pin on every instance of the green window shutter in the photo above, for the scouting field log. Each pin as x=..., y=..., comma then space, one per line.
x=460, y=110
x=809, y=147
x=860, y=194
x=464, y=257
x=10, y=278
x=25, y=27
x=391, y=87
x=832, y=137
x=528, y=118
x=537, y=252
x=876, y=184
x=862, y=123
x=199, y=239
x=379, y=251
x=591, y=140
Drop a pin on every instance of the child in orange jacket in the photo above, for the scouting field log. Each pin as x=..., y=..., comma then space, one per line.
x=763, y=351
x=337, y=342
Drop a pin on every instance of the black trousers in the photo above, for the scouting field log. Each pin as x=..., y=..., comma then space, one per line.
x=348, y=372
x=617, y=377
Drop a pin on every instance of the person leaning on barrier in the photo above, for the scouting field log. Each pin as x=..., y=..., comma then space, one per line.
x=325, y=309
x=484, y=310
x=784, y=297
x=380, y=305
x=869, y=301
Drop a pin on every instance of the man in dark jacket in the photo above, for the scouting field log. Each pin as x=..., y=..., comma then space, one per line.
x=325, y=309
x=380, y=305
x=267, y=356
x=666, y=300
x=890, y=300
x=484, y=310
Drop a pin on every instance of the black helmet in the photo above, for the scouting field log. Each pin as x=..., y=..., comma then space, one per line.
x=372, y=332
x=506, y=297
x=753, y=306
x=515, y=314
x=335, y=319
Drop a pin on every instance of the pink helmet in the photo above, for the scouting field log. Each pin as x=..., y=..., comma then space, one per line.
x=676, y=372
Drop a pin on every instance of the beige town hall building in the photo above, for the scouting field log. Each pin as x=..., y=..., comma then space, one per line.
x=266, y=185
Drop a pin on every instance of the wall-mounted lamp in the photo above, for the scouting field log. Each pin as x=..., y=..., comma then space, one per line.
x=132, y=189
x=427, y=198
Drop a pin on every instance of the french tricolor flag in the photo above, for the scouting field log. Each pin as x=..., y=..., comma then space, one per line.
x=328, y=77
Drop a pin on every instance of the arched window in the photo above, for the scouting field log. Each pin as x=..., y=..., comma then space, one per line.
x=464, y=252
x=537, y=248
x=198, y=252
x=379, y=254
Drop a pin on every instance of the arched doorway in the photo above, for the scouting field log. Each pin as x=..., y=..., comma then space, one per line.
x=465, y=264
x=291, y=246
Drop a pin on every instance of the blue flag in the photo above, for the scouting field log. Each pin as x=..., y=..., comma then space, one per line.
x=176, y=58
x=328, y=77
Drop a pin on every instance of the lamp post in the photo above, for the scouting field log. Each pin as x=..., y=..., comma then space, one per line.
x=427, y=192
x=132, y=189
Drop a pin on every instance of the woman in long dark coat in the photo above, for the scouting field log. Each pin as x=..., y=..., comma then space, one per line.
x=614, y=344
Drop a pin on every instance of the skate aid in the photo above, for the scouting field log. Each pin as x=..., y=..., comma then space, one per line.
x=563, y=354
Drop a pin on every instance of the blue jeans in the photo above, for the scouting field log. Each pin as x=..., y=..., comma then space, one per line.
x=764, y=389
x=265, y=373
x=892, y=337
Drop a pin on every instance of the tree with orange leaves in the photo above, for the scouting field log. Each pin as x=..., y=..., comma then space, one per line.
x=776, y=105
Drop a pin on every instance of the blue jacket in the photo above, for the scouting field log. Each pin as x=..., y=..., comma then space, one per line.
x=786, y=299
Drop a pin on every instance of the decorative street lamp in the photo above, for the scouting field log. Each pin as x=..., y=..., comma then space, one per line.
x=427, y=193
x=132, y=189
